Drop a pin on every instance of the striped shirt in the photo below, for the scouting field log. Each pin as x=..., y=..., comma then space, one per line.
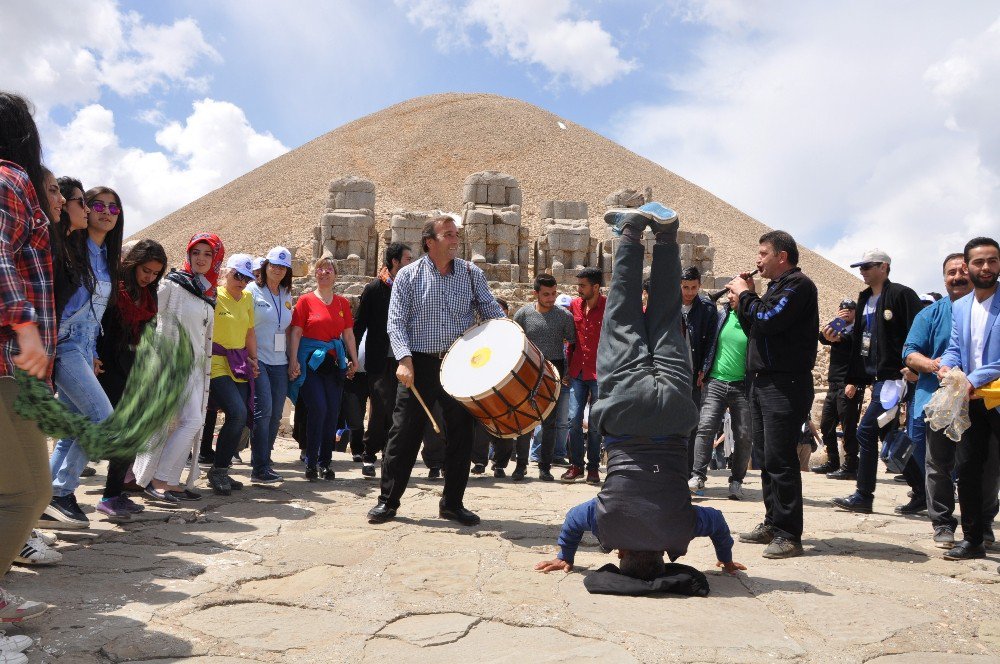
x=428, y=310
x=26, y=294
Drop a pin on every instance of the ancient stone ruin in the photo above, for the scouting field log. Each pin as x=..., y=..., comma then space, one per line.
x=491, y=220
x=347, y=226
x=565, y=244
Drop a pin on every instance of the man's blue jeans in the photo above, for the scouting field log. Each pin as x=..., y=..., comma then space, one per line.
x=582, y=392
x=78, y=388
x=868, y=430
x=562, y=428
x=270, y=391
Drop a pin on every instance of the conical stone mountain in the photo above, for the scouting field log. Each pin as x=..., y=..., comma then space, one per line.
x=419, y=152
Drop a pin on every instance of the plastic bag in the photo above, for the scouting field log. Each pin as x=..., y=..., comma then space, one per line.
x=948, y=409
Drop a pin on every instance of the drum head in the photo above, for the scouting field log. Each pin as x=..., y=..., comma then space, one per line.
x=482, y=358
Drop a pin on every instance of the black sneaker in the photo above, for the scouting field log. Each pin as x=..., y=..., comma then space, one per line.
x=357, y=458
x=328, y=473
x=843, y=473
x=312, y=473
x=853, y=503
x=266, y=477
x=825, y=468
x=64, y=512
x=761, y=534
x=218, y=480
x=368, y=470
x=560, y=461
x=916, y=505
x=499, y=472
x=545, y=476
x=519, y=473
x=478, y=469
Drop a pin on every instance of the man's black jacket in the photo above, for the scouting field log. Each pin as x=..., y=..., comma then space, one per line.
x=781, y=325
x=701, y=324
x=373, y=317
x=895, y=310
x=841, y=357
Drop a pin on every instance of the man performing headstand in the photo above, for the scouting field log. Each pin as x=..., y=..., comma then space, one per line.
x=645, y=412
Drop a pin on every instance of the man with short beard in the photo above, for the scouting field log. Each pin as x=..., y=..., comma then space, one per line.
x=974, y=348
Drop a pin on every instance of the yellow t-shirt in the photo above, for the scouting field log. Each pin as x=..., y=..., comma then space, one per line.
x=232, y=321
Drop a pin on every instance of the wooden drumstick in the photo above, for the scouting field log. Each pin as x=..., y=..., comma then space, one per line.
x=427, y=410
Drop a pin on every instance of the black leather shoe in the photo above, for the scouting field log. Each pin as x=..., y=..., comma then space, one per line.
x=381, y=513
x=460, y=514
x=825, y=468
x=916, y=505
x=312, y=473
x=519, y=473
x=843, y=473
x=854, y=503
x=964, y=550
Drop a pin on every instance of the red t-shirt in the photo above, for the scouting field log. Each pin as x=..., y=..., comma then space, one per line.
x=319, y=321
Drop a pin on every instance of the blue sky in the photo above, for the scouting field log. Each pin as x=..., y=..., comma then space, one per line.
x=851, y=124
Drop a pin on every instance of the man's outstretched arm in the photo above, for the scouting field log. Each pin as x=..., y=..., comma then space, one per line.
x=578, y=520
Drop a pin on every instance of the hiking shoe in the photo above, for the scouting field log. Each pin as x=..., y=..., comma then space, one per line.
x=234, y=484
x=434, y=474
x=312, y=473
x=944, y=537
x=218, y=479
x=593, y=477
x=88, y=471
x=14, y=609
x=735, y=490
x=696, y=484
x=761, y=534
x=478, y=469
x=37, y=552
x=266, y=477
x=114, y=508
x=519, y=473
x=368, y=470
x=64, y=512
x=11, y=645
x=853, y=503
x=499, y=473
x=781, y=547
x=573, y=474
x=619, y=218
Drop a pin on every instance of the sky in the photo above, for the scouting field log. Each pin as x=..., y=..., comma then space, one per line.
x=851, y=125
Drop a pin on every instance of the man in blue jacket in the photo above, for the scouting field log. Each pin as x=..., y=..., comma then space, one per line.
x=974, y=348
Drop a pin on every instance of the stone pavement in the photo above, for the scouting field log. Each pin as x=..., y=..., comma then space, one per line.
x=295, y=574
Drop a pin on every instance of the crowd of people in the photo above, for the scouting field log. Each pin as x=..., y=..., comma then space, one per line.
x=722, y=387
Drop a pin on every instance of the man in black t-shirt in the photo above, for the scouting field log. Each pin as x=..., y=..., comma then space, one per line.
x=838, y=408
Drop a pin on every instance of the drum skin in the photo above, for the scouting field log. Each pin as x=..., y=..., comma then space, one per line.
x=517, y=400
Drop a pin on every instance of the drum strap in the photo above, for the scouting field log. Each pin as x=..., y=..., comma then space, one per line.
x=472, y=287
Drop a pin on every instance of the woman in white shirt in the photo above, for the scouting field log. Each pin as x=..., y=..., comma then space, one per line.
x=272, y=296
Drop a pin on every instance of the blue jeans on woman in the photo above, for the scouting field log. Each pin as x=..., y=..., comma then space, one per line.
x=78, y=388
x=322, y=394
x=231, y=397
x=270, y=389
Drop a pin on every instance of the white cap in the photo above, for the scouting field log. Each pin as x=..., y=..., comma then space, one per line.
x=280, y=256
x=564, y=300
x=258, y=263
x=242, y=263
x=873, y=256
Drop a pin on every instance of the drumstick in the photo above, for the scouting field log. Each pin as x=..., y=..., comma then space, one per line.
x=426, y=409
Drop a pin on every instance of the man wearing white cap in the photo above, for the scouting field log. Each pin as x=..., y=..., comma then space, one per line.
x=885, y=313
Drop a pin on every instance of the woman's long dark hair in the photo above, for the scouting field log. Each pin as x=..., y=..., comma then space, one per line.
x=19, y=141
x=143, y=252
x=113, y=240
x=69, y=249
x=286, y=281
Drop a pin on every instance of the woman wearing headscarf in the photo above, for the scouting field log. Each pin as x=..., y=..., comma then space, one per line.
x=186, y=299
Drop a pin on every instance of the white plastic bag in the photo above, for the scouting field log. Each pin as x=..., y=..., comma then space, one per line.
x=948, y=409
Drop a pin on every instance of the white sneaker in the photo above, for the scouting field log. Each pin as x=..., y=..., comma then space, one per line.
x=37, y=552
x=735, y=490
x=14, y=609
x=14, y=644
x=48, y=538
x=13, y=658
x=696, y=484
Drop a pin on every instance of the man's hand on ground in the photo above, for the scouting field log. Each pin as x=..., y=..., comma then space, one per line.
x=731, y=568
x=553, y=565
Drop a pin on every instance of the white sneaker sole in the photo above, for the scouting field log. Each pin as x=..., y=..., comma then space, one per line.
x=61, y=521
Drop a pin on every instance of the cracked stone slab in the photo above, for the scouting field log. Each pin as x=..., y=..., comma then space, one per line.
x=293, y=586
x=271, y=627
x=430, y=629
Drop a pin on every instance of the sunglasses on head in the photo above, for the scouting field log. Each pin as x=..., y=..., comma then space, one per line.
x=868, y=266
x=100, y=206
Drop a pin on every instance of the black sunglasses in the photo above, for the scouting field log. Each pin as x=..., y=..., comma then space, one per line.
x=78, y=199
x=242, y=277
x=868, y=266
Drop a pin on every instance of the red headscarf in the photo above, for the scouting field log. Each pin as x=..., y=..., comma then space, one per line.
x=218, y=254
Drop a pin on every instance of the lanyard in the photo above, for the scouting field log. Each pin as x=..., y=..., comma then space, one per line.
x=276, y=307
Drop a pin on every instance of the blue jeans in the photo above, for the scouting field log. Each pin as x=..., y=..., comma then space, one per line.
x=562, y=428
x=271, y=388
x=868, y=430
x=582, y=392
x=79, y=389
x=231, y=397
x=322, y=394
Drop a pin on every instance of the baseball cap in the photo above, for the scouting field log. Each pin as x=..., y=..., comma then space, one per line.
x=873, y=256
x=280, y=256
x=848, y=304
x=242, y=263
x=564, y=300
x=258, y=263
x=930, y=297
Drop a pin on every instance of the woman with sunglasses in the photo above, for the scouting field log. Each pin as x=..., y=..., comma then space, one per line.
x=272, y=298
x=321, y=339
x=76, y=364
x=234, y=366
x=123, y=325
x=185, y=299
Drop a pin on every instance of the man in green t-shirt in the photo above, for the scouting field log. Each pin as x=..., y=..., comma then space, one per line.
x=724, y=387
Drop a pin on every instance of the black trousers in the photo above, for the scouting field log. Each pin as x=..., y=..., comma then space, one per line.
x=208, y=432
x=779, y=404
x=113, y=381
x=408, y=421
x=838, y=409
x=505, y=448
x=940, y=479
x=382, y=390
x=972, y=454
x=352, y=413
x=481, y=441
x=696, y=397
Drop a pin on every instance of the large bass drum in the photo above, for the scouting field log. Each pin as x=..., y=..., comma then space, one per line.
x=501, y=378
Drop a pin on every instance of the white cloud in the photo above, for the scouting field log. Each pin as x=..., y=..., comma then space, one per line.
x=538, y=33
x=214, y=144
x=849, y=125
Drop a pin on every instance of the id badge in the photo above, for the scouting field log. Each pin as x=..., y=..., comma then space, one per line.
x=866, y=343
x=279, y=342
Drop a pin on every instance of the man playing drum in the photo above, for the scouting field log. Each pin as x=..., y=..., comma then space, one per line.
x=433, y=302
x=645, y=412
